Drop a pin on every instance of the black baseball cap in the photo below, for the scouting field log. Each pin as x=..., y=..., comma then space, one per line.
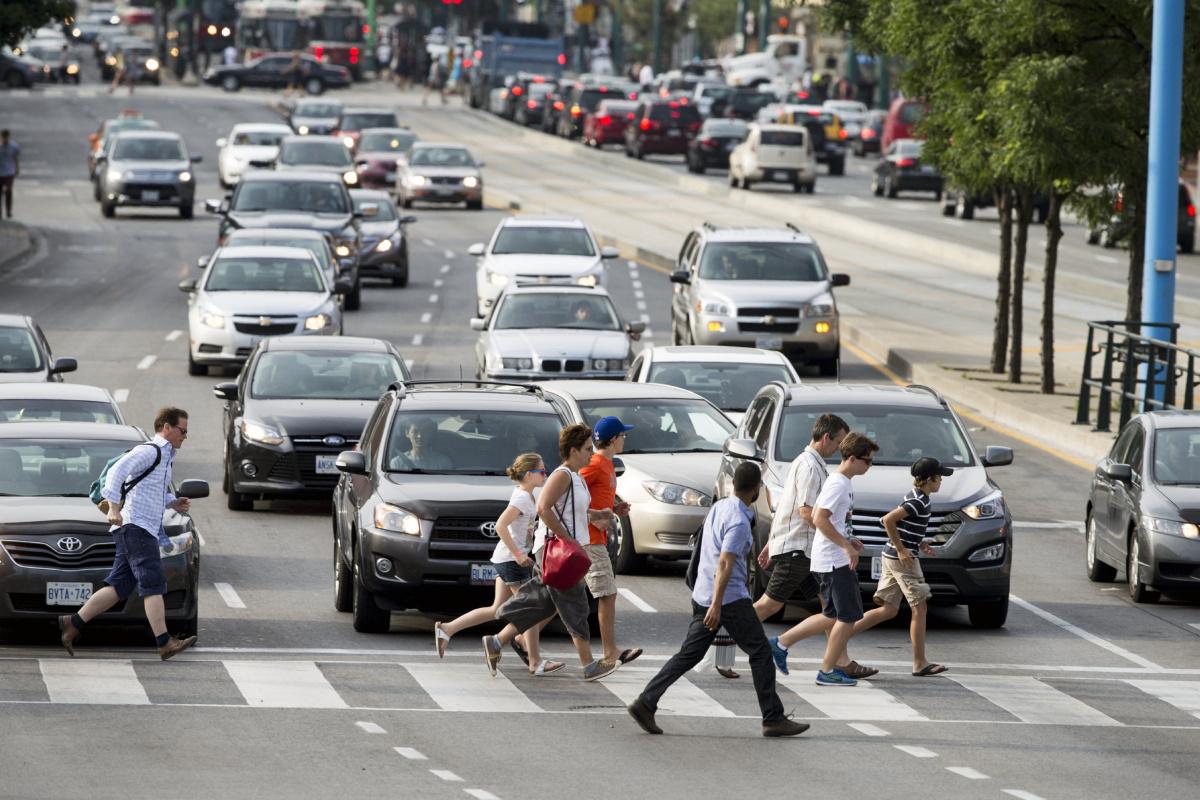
x=925, y=468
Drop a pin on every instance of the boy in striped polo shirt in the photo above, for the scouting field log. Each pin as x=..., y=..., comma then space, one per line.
x=902, y=576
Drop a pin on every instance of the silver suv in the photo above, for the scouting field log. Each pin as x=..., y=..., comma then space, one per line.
x=757, y=287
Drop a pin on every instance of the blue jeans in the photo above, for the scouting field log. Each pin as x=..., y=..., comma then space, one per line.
x=138, y=563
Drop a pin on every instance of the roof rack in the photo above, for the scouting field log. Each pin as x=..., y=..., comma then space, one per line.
x=551, y=284
x=708, y=226
x=922, y=388
x=792, y=226
x=402, y=387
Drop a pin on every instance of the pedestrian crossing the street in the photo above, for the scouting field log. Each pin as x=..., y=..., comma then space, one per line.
x=465, y=687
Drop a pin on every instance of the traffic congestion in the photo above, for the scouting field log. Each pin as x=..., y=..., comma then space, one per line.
x=543, y=364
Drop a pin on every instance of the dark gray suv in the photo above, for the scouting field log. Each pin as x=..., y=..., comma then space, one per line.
x=971, y=525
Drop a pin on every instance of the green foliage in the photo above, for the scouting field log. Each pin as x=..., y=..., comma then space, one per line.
x=19, y=18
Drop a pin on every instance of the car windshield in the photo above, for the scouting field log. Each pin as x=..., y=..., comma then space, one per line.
x=310, y=109
x=664, y=426
x=783, y=138
x=54, y=467
x=725, y=127
x=264, y=275
x=761, y=261
x=325, y=153
x=384, y=209
x=539, y=89
x=616, y=108
x=903, y=434
x=358, y=121
x=316, y=246
x=750, y=102
x=148, y=150
x=258, y=138
x=547, y=310
x=441, y=157
x=469, y=442
x=18, y=351
x=323, y=375
x=729, y=387
x=56, y=410
x=1177, y=456
x=549, y=241
x=396, y=142
x=717, y=92
x=322, y=197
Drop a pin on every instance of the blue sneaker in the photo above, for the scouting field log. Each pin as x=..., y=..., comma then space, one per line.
x=779, y=653
x=835, y=677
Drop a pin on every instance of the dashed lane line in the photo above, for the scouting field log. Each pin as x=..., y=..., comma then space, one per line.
x=229, y=595
x=914, y=751
x=173, y=335
x=967, y=772
x=411, y=753
x=481, y=794
x=121, y=395
x=1106, y=259
x=427, y=318
x=449, y=254
x=1021, y=794
x=433, y=298
x=428, y=242
x=408, y=362
x=867, y=729
x=438, y=283
x=446, y=775
x=445, y=268
x=641, y=604
x=370, y=727
x=147, y=362
x=417, y=339
x=1085, y=635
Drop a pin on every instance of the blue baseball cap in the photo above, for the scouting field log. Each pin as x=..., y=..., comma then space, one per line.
x=608, y=428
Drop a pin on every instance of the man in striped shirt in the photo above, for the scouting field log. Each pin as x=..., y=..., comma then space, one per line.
x=902, y=578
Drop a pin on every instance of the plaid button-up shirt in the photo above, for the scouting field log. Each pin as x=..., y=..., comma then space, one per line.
x=143, y=505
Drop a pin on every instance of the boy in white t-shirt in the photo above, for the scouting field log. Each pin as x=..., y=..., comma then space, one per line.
x=835, y=557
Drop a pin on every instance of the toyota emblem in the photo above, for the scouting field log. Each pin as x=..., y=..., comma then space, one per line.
x=70, y=544
x=488, y=529
x=334, y=441
x=264, y=321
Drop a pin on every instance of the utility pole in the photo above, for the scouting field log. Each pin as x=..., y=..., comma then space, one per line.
x=739, y=30
x=885, y=83
x=656, y=23
x=764, y=24
x=372, y=37
x=614, y=45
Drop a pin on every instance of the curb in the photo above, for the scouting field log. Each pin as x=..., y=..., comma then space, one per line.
x=28, y=244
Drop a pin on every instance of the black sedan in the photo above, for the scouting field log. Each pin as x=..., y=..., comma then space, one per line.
x=56, y=548
x=901, y=170
x=276, y=72
x=712, y=145
x=25, y=355
x=298, y=402
x=1143, y=512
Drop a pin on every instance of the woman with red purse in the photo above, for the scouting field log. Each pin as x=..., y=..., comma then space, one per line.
x=558, y=586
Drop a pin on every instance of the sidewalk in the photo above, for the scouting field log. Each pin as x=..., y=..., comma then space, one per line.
x=15, y=242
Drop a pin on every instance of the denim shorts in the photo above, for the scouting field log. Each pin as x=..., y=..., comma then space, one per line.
x=513, y=573
x=840, y=595
x=138, y=563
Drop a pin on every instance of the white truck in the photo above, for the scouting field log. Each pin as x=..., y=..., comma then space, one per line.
x=784, y=59
x=775, y=154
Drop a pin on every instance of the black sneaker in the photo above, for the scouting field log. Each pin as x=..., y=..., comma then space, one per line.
x=784, y=727
x=644, y=717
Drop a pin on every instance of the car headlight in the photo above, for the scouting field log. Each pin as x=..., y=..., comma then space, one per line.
x=302, y=130
x=152, y=64
x=712, y=307
x=114, y=175
x=317, y=323
x=110, y=61
x=350, y=177
x=258, y=432
x=342, y=250
x=417, y=180
x=498, y=279
x=348, y=141
x=989, y=507
x=185, y=177
x=1172, y=527
x=212, y=319
x=517, y=363
x=394, y=518
x=76, y=32
x=676, y=495
x=72, y=69
x=587, y=280
x=821, y=307
x=470, y=181
x=178, y=545
x=383, y=246
x=993, y=552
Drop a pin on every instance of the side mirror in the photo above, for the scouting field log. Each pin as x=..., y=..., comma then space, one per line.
x=193, y=489
x=681, y=276
x=187, y=287
x=222, y=142
x=635, y=327
x=618, y=467
x=1119, y=472
x=201, y=262
x=839, y=279
x=225, y=391
x=212, y=206
x=62, y=365
x=408, y=219
x=343, y=287
x=608, y=253
x=476, y=249
x=358, y=215
x=478, y=324
x=196, y=159
x=742, y=448
x=352, y=462
x=994, y=456
x=480, y=164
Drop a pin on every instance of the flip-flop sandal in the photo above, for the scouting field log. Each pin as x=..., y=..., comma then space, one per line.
x=521, y=652
x=546, y=668
x=930, y=669
x=440, y=639
x=491, y=653
x=629, y=655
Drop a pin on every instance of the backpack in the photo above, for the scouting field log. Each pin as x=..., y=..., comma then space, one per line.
x=693, y=567
x=97, y=488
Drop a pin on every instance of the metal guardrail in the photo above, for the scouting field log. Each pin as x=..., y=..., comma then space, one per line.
x=1152, y=372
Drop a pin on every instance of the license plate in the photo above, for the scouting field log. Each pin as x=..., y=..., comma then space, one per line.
x=779, y=175
x=67, y=594
x=674, y=133
x=150, y=194
x=446, y=191
x=768, y=342
x=876, y=567
x=926, y=170
x=327, y=465
x=483, y=574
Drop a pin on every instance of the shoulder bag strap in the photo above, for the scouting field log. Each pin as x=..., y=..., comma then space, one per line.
x=571, y=496
x=127, y=487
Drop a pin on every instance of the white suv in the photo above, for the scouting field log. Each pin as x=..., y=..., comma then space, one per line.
x=542, y=250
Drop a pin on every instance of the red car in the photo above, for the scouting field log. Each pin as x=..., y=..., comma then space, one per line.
x=606, y=125
x=661, y=126
x=355, y=120
x=902, y=119
x=378, y=151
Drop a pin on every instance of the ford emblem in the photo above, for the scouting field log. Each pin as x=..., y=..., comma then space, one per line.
x=334, y=441
x=488, y=529
x=70, y=544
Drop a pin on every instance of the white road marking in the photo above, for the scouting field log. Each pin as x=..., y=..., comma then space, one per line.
x=641, y=305
x=446, y=775
x=863, y=702
x=1106, y=259
x=914, y=751
x=1082, y=634
x=850, y=201
x=1021, y=794
x=408, y=362
x=92, y=681
x=433, y=298
x=173, y=335
x=428, y=242
x=631, y=264
x=417, y=339
x=439, y=283
x=683, y=699
x=283, y=684
x=445, y=268
x=1030, y=700
x=1195, y=625
x=121, y=395
x=427, y=317
x=641, y=604
x=636, y=284
x=1184, y=695
x=449, y=254
x=147, y=362
x=462, y=687
x=370, y=727
x=639, y=294
x=411, y=753
x=867, y=729
x=645, y=318
x=229, y=595
x=967, y=772
x=481, y=794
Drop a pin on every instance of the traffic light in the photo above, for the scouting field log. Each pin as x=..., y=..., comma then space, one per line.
x=783, y=23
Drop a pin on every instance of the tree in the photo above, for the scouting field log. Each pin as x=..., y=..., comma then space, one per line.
x=19, y=18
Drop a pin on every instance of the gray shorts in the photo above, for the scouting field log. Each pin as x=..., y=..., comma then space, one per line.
x=790, y=573
x=535, y=601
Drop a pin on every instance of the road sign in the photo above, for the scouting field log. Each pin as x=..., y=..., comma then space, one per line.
x=585, y=13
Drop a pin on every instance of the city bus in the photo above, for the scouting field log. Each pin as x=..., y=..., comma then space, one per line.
x=269, y=26
x=335, y=32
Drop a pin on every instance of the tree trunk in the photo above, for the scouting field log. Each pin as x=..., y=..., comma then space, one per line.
x=1053, y=236
x=1003, y=277
x=1136, y=194
x=1020, y=243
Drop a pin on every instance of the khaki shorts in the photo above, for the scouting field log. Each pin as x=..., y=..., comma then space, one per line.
x=899, y=581
x=601, y=581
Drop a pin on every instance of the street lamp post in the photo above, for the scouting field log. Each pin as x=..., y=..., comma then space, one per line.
x=372, y=37
x=739, y=31
x=656, y=25
x=764, y=22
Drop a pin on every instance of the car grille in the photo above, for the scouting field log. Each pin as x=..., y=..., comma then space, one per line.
x=153, y=177
x=557, y=365
x=762, y=327
x=753, y=319
x=25, y=553
x=868, y=525
x=273, y=329
x=165, y=191
x=460, y=537
x=445, y=181
x=783, y=312
x=307, y=449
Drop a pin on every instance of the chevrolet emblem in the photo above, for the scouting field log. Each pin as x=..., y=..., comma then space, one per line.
x=768, y=320
x=264, y=321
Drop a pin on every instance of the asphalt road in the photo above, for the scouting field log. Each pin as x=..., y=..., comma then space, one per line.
x=1082, y=694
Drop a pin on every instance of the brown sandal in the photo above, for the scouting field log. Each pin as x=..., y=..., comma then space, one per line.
x=858, y=671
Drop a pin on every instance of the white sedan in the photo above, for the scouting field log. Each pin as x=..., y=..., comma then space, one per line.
x=246, y=145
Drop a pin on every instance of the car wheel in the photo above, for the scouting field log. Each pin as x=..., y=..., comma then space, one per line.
x=828, y=367
x=343, y=580
x=837, y=167
x=235, y=500
x=1138, y=591
x=1106, y=239
x=1097, y=570
x=186, y=211
x=314, y=86
x=889, y=187
x=109, y=209
x=627, y=561
x=811, y=188
x=475, y=205
x=947, y=206
x=1093, y=236
x=184, y=627
x=195, y=368
x=1187, y=244
x=354, y=299
x=96, y=191
x=406, y=202
x=401, y=279
x=700, y=168
x=991, y=614
x=230, y=83
x=368, y=617
x=797, y=188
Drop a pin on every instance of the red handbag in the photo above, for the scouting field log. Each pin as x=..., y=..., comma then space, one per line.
x=563, y=561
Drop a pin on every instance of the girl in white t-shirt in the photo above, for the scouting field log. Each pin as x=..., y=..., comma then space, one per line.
x=515, y=527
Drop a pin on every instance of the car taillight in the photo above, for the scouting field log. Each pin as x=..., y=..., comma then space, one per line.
x=644, y=124
x=516, y=91
x=576, y=111
x=842, y=134
x=319, y=53
x=353, y=55
x=530, y=104
x=708, y=142
x=606, y=120
x=814, y=112
x=558, y=105
x=478, y=54
x=906, y=162
x=468, y=63
x=1191, y=210
x=868, y=133
x=694, y=126
x=629, y=116
x=562, y=59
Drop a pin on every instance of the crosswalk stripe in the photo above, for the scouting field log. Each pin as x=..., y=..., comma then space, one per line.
x=468, y=687
x=1184, y=695
x=283, y=684
x=862, y=702
x=92, y=681
x=1030, y=700
x=683, y=699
